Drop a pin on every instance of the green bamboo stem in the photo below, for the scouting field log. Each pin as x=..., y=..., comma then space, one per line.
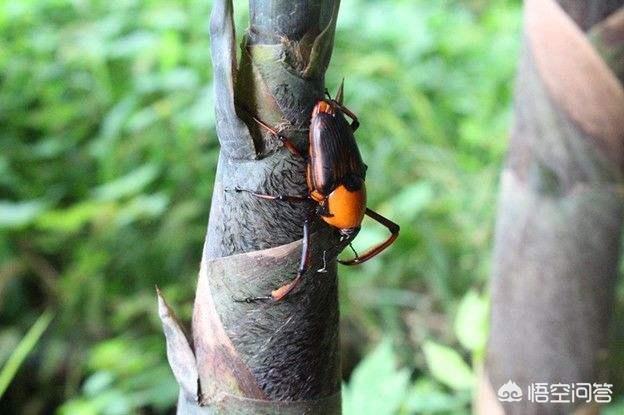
x=262, y=358
x=560, y=214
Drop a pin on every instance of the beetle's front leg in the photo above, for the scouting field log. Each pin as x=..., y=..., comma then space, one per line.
x=338, y=102
x=280, y=293
x=355, y=123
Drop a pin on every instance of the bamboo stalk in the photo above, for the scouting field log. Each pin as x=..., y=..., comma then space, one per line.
x=560, y=214
x=262, y=358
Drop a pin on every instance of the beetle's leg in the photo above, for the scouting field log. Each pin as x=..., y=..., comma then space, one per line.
x=357, y=257
x=251, y=300
x=355, y=123
x=285, y=140
x=394, y=231
x=324, y=269
x=281, y=198
x=338, y=102
x=280, y=293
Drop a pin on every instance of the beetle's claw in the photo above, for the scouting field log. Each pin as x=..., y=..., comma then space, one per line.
x=324, y=269
x=252, y=300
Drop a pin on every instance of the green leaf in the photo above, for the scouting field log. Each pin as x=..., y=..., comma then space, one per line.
x=129, y=184
x=471, y=322
x=18, y=214
x=98, y=382
x=377, y=387
x=72, y=218
x=426, y=396
x=22, y=350
x=109, y=402
x=412, y=200
x=447, y=366
x=78, y=407
x=142, y=206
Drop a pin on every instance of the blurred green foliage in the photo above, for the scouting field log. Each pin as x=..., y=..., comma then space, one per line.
x=107, y=161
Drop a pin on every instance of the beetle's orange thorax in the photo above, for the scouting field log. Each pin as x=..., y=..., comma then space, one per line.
x=344, y=208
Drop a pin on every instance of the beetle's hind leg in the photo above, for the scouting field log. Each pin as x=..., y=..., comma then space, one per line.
x=281, y=198
x=280, y=293
x=372, y=252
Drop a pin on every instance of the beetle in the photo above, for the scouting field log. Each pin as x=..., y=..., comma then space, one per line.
x=335, y=176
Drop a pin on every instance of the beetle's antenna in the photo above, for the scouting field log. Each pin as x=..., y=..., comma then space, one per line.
x=265, y=126
x=260, y=122
x=340, y=93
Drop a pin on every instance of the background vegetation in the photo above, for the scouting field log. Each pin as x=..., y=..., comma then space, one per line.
x=107, y=159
